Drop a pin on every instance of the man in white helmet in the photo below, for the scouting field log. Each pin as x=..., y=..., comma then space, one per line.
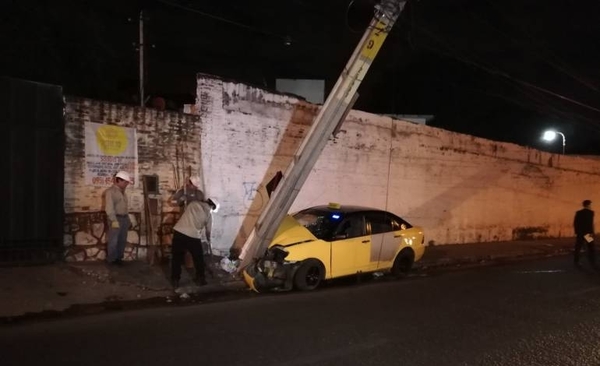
x=118, y=217
x=190, y=192
x=197, y=218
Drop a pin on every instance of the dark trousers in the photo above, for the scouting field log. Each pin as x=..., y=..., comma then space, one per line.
x=181, y=244
x=591, y=250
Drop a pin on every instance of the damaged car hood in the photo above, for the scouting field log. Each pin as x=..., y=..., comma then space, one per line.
x=291, y=232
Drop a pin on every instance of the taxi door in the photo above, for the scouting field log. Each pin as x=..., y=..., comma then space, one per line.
x=351, y=247
x=385, y=237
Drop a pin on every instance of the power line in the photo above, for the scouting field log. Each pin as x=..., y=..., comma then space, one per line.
x=504, y=74
x=565, y=69
x=536, y=104
x=221, y=19
x=541, y=99
x=529, y=89
x=287, y=40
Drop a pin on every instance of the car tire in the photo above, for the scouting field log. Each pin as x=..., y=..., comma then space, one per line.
x=403, y=263
x=309, y=275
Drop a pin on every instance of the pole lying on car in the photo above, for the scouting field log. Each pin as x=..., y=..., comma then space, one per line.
x=334, y=109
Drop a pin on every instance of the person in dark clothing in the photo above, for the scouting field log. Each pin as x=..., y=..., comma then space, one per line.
x=196, y=219
x=584, y=231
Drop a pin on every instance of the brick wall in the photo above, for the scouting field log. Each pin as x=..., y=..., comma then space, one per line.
x=162, y=136
x=460, y=188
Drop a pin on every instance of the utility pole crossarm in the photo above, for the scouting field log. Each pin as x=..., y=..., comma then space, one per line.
x=335, y=108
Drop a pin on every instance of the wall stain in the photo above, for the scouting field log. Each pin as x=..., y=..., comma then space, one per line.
x=529, y=232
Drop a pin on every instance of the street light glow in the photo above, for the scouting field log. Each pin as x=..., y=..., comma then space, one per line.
x=550, y=136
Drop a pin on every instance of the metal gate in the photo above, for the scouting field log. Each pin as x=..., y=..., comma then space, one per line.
x=31, y=171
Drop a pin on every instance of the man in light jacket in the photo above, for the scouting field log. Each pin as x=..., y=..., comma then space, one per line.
x=196, y=219
x=118, y=218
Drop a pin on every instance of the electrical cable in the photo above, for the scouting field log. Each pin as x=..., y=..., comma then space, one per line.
x=505, y=75
x=348, y=16
x=222, y=19
x=568, y=71
x=592, y=123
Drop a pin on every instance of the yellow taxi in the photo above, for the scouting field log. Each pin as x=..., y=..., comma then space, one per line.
x=326, y=242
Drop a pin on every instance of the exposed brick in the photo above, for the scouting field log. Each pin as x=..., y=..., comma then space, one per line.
x=160, y=134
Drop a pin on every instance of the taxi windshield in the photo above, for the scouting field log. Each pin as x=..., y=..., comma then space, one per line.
x=320, y=223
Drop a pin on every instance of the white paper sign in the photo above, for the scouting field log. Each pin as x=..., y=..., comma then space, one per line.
x=108, y=149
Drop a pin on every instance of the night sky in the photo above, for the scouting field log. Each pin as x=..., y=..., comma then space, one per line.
x=504, y=70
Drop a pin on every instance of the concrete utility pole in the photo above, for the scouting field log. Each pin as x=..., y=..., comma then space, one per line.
x=141, y=53
x=338, y=102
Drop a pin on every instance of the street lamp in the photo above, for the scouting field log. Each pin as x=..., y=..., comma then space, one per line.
x=550, y=136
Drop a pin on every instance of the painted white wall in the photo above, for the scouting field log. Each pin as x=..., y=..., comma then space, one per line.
x=460, y=188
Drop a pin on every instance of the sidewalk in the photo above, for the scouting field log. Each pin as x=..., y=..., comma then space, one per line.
x=493, y=253
x=38, y=291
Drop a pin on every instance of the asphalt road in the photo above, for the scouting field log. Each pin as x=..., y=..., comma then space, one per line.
x=535, y=313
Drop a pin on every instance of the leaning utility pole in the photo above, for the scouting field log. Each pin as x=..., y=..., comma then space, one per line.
x=141, y=53
x=334, y=109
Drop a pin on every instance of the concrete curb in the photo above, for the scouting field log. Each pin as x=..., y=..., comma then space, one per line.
x=208, y=294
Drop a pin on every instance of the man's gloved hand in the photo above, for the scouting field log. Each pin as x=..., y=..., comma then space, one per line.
x=114, y=225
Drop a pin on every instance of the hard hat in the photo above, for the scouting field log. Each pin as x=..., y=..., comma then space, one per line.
x=214, y=205
x=124, y=175
x=195, y=180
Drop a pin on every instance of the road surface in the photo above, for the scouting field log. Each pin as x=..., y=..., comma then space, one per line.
x=535, y=313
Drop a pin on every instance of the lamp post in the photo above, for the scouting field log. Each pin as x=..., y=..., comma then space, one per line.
x=550, y=136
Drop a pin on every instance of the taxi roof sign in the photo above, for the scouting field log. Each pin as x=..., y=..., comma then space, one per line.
x=334, y=205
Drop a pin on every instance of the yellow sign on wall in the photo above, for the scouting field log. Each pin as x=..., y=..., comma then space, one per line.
x=108, y=149
x=112, y=140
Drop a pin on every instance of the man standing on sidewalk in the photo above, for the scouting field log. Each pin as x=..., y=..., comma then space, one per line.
x=196, y=218
x=118, y=218
x=584, y=230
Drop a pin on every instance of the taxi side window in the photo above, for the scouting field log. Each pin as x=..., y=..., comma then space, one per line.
x=399, y=224
x=352, y=227
x=380, y=222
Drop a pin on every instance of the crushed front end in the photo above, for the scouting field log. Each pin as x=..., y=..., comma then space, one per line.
x=271, y=272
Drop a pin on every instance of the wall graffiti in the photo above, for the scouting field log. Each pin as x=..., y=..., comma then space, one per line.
x=250, y=189
x=253, y=197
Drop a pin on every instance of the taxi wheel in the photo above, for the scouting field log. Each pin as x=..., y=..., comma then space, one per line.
x=403, y=264
x=309, y=275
